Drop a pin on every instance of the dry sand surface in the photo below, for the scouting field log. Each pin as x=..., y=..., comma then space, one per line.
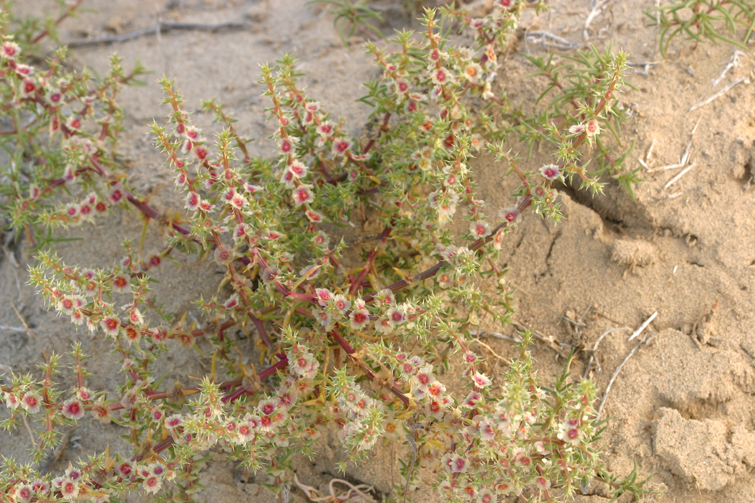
x=683, y=407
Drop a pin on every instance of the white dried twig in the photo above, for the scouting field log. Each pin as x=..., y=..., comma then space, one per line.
x=593, y=360
x=679, y=176
x=644, y=325
x=548, y=39
x=719, y=93
x=650, y=151
x=733, y=62
x=595, y=12
x=618, y=370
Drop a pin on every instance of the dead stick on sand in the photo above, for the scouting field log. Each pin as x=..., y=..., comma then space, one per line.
x=160, y=27
x=719, y=93
x=631, y=354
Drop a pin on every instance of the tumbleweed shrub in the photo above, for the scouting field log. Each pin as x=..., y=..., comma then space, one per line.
x=361, y=351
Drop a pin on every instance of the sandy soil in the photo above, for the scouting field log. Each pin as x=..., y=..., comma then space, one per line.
x=682, y=408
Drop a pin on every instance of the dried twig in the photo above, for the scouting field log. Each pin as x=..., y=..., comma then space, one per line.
x=548, y=39
x=595, y=12
x=593, y=360
x=644, y=325
x=12, y=329
x=733, y=62
x=478, y=341
x=679, y=176
x=161, y=27
x=719, y=93
x=645, y=340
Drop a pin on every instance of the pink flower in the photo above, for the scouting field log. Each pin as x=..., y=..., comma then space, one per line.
x=341, y=303
x=136, y=317
x=298, y=169
x=441, y=76
x=360, y=316
x=151, y=484
x=72, y=409
x=323, y=296
x=9, y=50
x=385, y=297
x=341, y=146
x=592, y=128
x=314, y=216
x=481, y=380
x=238, y=201
x=303, y=195
x=121, y=284
x=577, y=129
x=479, y=229
x=69, y=489
x=31, y=402
x=192, y=201
x=510, y=214
x=550, y=171
x=110, y=325
x=73, y=123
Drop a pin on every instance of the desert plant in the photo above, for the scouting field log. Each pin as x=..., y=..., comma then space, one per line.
x=358, y=349
x=702, y=19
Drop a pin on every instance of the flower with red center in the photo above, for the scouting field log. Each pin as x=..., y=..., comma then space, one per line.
x=359, y=317
x=238, y=201
x=402, y=86
x=340, y=146
x=192, y=201
x=510, y=214
x=66, y=305
x=479, y=229
x=341, y=303
x=69, y=489
x=321, y=239
x=287, y=145
x=9, y=50
x=24, y=70
x=73, y=123
x=190, y=132
x=441, y=76
x=72, y=409
x=481, y=380
x=23, y=493
x=592, y=128
x=303, y=195
x=267, y=407
x=136, y=317
x=472, y=72
x=472, y=399
x=395, y=315
x=31, y=402
x=121, y=284
x=116, y=195
x=457, y=464
x=577, y=129
x=151, y=484
x=325, y=129
x=323, y=296
x=110, y=325
x=173, y=421
x=550, y=171
x=314, y=216
x=101, y=412
x=385, y=297
x=298, y=169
